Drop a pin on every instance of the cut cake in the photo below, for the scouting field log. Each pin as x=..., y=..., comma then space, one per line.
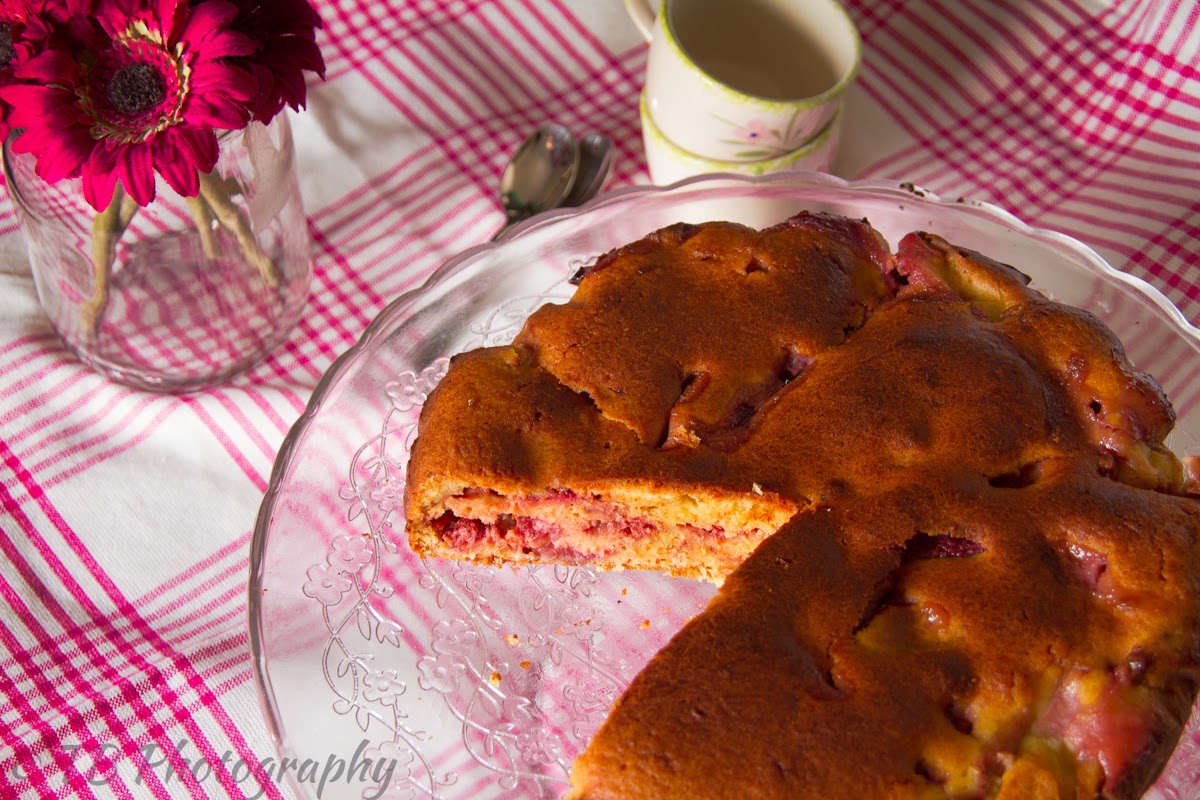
x=984, y=581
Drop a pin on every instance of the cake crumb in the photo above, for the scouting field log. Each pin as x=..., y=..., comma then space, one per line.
x=526, y=664
x=512, y=639
x=495, y=679
x=645, y=623
x=624, y=592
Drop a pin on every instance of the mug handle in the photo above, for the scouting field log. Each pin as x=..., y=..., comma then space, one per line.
x=642, y=14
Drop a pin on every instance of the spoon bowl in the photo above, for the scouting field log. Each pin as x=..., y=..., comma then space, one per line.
x=596, y=159
x=540, y=174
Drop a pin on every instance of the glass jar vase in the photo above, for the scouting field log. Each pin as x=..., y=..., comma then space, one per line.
x=183, y=293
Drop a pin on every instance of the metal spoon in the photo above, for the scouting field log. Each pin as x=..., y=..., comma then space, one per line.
x=539, y=175
x=595, y=166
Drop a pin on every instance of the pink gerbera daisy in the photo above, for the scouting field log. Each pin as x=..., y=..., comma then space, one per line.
x=142, y=95
x=286, y=33
x=25, y=30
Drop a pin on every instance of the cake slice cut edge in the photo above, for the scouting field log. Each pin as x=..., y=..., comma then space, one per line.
x=696, y=532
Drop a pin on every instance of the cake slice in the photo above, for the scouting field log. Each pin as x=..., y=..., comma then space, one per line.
x=511, y=466
x=602, y=436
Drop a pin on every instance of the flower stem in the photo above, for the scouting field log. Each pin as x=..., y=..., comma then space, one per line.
x=217, y=195
x=107, y=228
x=202, y=216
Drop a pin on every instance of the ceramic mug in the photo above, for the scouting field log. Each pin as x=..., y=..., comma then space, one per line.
x=747, y=80
x=669, y=163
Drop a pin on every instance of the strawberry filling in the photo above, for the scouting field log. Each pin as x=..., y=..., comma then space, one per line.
x=561, y=525
x=538, y=537
x=1097, y=715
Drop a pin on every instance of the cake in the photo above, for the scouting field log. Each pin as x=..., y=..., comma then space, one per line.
x=958, y=559
x=607, y=433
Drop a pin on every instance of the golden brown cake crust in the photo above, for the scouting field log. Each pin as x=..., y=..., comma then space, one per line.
x=842, y=660
x=643, y=339
x=988, y=586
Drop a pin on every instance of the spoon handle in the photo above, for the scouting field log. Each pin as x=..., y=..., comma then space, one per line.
x=503, y=228
x=513, y=216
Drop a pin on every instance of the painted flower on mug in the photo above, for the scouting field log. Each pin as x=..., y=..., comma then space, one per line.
x=753, y=131
x=764, y=141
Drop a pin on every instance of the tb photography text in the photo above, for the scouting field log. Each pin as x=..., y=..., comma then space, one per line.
x=105, y=765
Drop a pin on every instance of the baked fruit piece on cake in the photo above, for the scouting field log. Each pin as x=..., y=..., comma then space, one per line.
x=993, y=593
x=603, y=435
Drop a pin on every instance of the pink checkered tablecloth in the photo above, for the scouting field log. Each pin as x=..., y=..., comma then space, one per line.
x=127, y=516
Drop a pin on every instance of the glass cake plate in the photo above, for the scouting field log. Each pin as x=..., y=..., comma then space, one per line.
x=459, y=681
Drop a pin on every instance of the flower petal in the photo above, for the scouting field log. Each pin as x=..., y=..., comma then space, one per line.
x=179, y=173
x=65, y=160
x=135, y=166
x=200, y=111
x=100, y=178
x=199, y=145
